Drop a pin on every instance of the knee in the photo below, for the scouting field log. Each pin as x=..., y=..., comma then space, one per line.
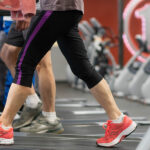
x=9, y=55
x=44, y=65
x=83, y=72
x=88, y=74
x=4, y=53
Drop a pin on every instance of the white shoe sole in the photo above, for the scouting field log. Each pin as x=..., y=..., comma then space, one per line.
x=121, y=136
x=6, y=141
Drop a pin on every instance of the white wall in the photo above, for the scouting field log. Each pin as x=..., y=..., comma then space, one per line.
x=59, y=64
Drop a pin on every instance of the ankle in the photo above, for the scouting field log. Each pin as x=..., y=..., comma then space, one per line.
x=113, y=115
x=51, y=116
x=32, y=101
x=118, y=119
x=6, y=127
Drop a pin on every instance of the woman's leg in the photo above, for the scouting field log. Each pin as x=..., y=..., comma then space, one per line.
x=73, y=49
x=119, y=125
x=16, y=97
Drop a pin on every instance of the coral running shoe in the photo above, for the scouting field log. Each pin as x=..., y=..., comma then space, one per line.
x=6, y=136
x=116, y=132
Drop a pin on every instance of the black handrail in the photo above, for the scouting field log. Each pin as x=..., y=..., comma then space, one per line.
x=4, y=13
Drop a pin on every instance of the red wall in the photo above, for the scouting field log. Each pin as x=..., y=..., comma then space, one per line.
x=106, y=11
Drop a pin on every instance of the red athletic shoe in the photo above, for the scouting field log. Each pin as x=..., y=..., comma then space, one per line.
x=116, y=132
x=6, y=136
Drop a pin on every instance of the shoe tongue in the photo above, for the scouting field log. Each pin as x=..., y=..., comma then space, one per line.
x=108, y=125
x=109, y=122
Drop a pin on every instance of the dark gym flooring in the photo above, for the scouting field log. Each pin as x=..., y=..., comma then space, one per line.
x=81, y=129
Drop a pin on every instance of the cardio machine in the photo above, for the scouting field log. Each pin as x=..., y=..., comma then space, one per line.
x=145, y=91
x=139, y=83
x=121, y=83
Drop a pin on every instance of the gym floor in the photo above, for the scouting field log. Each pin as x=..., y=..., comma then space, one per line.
x=81, y=129
x=134, y=108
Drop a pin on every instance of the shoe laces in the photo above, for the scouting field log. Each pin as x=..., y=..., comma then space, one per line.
x=106, y=127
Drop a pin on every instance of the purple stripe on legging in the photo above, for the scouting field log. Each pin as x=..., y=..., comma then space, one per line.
x=36, y=30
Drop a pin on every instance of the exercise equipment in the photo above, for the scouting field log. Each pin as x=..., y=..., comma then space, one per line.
x=140, y=78
x=139, y=83
x=145, y=91
x=121, y=84
x=144, y=144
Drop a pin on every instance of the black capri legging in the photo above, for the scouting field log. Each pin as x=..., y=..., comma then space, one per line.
x=60, y=26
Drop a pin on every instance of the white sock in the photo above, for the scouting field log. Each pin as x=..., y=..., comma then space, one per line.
x=32, y=101
x=119, y=120
x=51, y=116
x=5, y=128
